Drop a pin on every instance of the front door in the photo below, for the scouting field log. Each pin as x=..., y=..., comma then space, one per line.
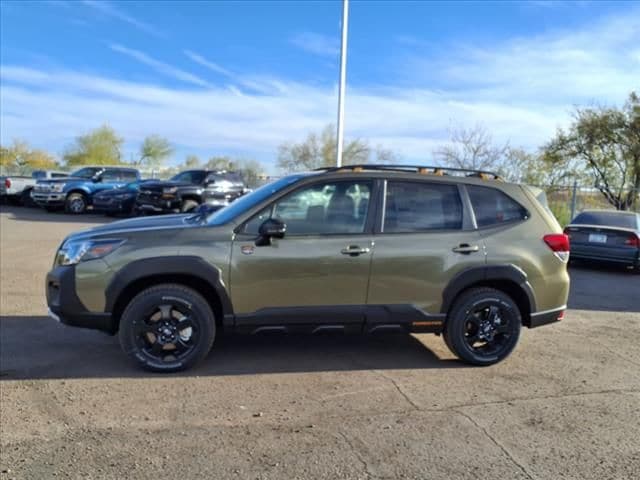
x=322, y=262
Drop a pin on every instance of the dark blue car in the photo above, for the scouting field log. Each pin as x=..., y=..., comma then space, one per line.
x=119, y=200
x=606, y=235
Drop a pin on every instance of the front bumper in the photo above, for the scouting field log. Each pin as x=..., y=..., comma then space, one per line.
x=113, y=204
x=48, y=199
x=157, y=204
x=65, y=306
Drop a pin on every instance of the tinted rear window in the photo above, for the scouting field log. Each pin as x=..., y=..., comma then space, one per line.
x=421, y=207
x=611, y=219
x=492, y=207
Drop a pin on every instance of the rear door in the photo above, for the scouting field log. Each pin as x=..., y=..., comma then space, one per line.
x=424, y=238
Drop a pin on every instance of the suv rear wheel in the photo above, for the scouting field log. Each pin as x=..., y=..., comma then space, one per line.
x=167, y=328
x=483, y=326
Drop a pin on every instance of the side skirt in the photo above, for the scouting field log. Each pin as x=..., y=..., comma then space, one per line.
x=346, y=319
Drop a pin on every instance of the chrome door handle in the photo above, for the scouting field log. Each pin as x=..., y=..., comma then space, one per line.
x=354, y=250
x=466, y=248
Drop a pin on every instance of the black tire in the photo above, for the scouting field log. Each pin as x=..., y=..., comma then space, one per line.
x=25, y=198
x=76, y=203
x=188, y=205
x=483, y=326
x=150, y=331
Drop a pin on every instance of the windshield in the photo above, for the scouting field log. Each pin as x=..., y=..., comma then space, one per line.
x=190, y=176
x=87, y=172
x=248, y=201
x=610, y=219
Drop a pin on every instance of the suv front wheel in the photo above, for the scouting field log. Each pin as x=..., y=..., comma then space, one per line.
x=483, y=326
x=76, y=203
x=167, y=328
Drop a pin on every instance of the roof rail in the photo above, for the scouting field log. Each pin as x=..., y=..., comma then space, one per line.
x=423, y=169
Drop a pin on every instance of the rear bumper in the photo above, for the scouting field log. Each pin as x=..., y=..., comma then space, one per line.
x=65, y=306
x=625, y=255
x=547, y=316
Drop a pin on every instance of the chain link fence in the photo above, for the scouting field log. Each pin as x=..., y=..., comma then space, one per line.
x=566, y=201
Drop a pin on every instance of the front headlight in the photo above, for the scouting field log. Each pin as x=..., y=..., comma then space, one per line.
x=122, y=196
x=57, y=187
x=169, y=190
x=75, y=251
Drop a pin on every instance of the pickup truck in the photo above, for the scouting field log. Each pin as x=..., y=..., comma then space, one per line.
x=187, y=190
x=75, y=192
x=16, y=189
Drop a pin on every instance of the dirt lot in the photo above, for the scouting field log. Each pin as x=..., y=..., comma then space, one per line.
x=565, y=405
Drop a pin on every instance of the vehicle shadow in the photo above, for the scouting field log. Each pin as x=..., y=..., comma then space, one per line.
x=39, y=348
x=36, y=214
x=602, y=287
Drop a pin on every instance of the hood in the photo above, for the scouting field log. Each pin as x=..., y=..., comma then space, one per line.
x=63, y=180
x=133, y=225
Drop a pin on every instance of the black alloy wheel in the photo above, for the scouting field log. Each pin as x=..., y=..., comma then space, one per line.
x=483, y=327
x=167, y=328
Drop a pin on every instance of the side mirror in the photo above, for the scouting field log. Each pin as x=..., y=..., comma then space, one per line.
x=270, y=228
x=96, y=179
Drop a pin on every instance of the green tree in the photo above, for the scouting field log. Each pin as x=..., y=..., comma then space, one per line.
x=249, y=170
x=192, y=161
x=606, y=141
x=21, y=158
x=220, y=163
x=154, y=150
x=101, y=146
x=319, y=150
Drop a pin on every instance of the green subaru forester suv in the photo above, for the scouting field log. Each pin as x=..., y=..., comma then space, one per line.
x=358, y=249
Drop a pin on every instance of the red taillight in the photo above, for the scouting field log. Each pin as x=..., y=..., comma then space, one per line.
x=7, y=183
x=559, y=244
x=561, y=315
x=633, y=241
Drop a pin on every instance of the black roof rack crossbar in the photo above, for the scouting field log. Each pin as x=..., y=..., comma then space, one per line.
x=409, y=168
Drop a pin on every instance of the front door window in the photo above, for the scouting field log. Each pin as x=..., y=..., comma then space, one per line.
x=331, y=208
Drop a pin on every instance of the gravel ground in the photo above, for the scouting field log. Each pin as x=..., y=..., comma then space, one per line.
x=565, y=405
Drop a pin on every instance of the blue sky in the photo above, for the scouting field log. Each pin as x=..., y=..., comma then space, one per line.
x=241, y=78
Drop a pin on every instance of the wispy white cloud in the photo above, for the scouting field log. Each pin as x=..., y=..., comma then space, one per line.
x=521, y=90
x=593, y=63
x=316, y=43
x=110, y=10
x=214, y=67
x=54, y=106
x=159, y=66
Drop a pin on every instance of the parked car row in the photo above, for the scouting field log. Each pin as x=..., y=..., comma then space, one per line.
x=120, y=190
x=17, y=189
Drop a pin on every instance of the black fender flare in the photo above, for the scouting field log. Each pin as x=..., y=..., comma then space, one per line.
x=192, y=266
x=486, y=273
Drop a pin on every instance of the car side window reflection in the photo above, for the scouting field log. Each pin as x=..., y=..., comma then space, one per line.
x=335, y=207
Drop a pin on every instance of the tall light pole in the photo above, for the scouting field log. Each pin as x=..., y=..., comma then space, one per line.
x=342, y=84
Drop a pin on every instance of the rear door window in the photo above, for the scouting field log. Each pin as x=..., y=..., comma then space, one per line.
x=421, y=207
x=493, y=207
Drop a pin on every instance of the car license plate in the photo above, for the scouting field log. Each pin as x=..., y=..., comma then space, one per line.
x=597, y=238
